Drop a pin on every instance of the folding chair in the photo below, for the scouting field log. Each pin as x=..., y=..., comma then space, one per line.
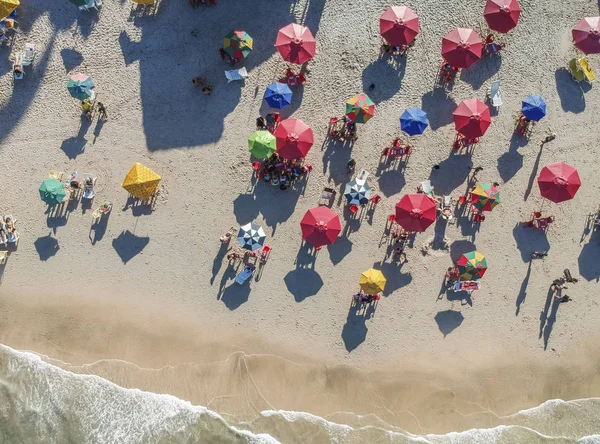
x=236, y=74
x=496, y=94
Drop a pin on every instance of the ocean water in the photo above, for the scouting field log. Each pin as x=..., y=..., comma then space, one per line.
x=42, y=403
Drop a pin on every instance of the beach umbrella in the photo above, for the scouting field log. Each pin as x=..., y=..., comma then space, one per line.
x=399, y=25
x=79, y=2
x=320, y=226
x=559, y=182
x=372, y=281
x=461, y=47
x=8, y=6
x=472, y=118
x=80, y=86
x=413, y=121
x=251, y=237
x=262, y=144
x=141, y=182
x=471, y=266
x=278, y=95
x=502, y=15
x=586, y=35
x=416, y=212
x=238, y=44
x=360, y=108
x=52, y=191
x=357, y=192
x=294, y=138
x=296, y=44
x=485, y=197
x=533, y=108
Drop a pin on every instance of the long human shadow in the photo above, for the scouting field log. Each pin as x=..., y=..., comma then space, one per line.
x=46, y=246
x=483, y=70
x=98, y=229
x=439, y=108
x=589, y=259
x=534, y=172
x=523, y=290
x=385, y=74
x=530, y=240
x=511, y=162
x=355, y=329
x=550, y=321
x=451, y=174
x=448, y=321
x=570, y=93
x=174, y=113
x=128, y=245
x=218, y=262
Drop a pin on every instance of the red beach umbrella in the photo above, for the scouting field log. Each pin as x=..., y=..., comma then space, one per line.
x=472, y=118
x=399, y=25
x=294, y=138
x=461, y=47
x=502, y=15
x=415, y=212
x=559, y=182
x=586, y=35
x=296, y=43
x=320, y=226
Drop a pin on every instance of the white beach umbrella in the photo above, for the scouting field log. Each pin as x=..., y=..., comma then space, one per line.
x=251, y=237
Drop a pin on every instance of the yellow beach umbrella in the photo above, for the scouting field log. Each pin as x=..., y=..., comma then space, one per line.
x=141, y=182
x=372, y=281
x=8, y=6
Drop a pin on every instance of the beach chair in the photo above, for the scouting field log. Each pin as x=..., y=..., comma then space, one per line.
x=363, y=175
x=576, y=71
x=587, y=70
x=236, y=74
x=327, y=196
x=56, y=175
x=496, y=94
x=28, y=54
x=426, y=187
x=88, y=192
x=245, y=274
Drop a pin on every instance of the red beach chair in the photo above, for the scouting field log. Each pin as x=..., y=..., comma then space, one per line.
x=375, y=199
x=353, y=209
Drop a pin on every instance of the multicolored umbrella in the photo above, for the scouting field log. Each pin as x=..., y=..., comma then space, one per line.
x=472, y=118
x=485, y=197
x=471, y=266
x=251, y=237
x=559, y=182
x=357, y=192
x=416, y=212
x=294, y=138
x=360, y=108
x=52, y=191
x=533, y=108
x=320, y=226
x=278, y=95
x=413, y=121
x=372, y=281
x=80, y=86
x=462, y=47
x=238, y=44
x=8, y=6
x=586, y=35
x=502, y=15
x=296, y=44
x=399, y=25
x=262, y=144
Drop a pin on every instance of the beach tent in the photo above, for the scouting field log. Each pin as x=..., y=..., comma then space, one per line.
x=357, y=192
x=262, y=144
x=80, y=86
x=471, y=266
x=586, y=35
x=413, y=121
x=294, y=138
x=8, y=6
x=472, y=118
x=372, y=281
x=399, y=25
x=360, y=108
x=559, y=182
x=320, y=226
x=238, y=44
x=251, y=237
x=278, y=95
x=502, y=15
x=461, y=47
x=485, y=197
x=52, y=191
x=141, y=182
x=296, y=44
x=415, y=212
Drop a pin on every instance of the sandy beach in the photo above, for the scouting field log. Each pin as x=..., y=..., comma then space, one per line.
x=148, y=300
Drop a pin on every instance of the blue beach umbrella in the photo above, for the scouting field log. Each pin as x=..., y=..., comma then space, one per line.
x=534, y=108
x=413, y=121
x=278, y=95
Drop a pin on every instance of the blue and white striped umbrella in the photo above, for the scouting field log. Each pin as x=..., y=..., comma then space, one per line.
x=251, y=237
x=357, y=192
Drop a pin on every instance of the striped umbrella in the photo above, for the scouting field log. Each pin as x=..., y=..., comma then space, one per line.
x=471, y=266
x=238, y=44
x=80, y=86
x=357, y=192
x=485, y=197
x=251, y=237
x=360, y=108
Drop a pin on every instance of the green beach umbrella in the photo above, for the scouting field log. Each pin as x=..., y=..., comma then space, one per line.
x=238, y=44
x=79, y=2
x=80, y=86
x=262, y=144
x=52, y=191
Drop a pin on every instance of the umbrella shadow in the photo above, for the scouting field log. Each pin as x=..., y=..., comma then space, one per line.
x=354, y=331
x=128, y=245
x=589, y=260
x=382, y=78
x=572, y=99
x=448, y=321
x=46, y=246
x=235, y=295
x=483, y=70
x=391, y=182
x=533, y=174
x=439, y=108
x=451, y=174
x=460, y=247
x=71, y=58
x=335, y=158
x=530, y=240
x=523, y=290
x=512, y=161
x=395, y=279
x=304, y=281
x=339, y=249
x=463, y=296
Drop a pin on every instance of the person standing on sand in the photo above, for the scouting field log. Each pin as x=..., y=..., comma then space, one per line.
x=102, y=114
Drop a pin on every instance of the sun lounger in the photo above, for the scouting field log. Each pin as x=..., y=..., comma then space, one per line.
x=3, y=256
x=88, y=191
x=576, y=71
x=587, y=70
x=245, y=274
x=236, y=74
x=91, y=4
x=426, y=187
x=496, y=94
x=28, y=54
x=466, y=286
